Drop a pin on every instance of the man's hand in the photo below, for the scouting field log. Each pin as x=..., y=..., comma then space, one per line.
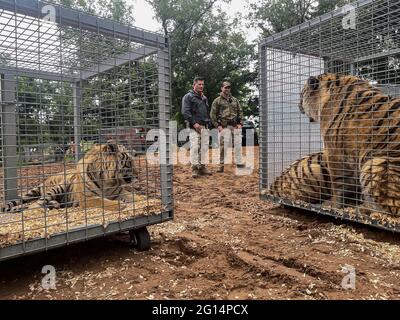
x=220, y=128
x=239, y=126
x=197, y=127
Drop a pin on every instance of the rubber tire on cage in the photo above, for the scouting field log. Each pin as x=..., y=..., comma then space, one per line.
x=142, y=239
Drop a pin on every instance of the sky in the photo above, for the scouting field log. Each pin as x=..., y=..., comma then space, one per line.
x=144, y=16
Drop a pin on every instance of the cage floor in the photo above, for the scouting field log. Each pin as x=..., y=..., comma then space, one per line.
x=42, y=223
x=353, y=214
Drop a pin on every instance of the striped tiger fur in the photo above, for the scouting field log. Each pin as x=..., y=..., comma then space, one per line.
x=97, y=181
x=360, y=126
x=306, y=179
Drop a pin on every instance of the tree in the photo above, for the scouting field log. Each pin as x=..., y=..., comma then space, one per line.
x=117, y=10
x=376, y=22
x=45, y=112
x=205, y=42
x=273, y=16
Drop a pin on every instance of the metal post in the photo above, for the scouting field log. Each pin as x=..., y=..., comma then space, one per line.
x=352, y=69
x=263, y=144
x=76, y=92
x=9, y=131
x=164, y=100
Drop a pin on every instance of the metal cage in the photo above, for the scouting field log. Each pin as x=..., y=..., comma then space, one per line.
x=338, y=164
x=71, y=81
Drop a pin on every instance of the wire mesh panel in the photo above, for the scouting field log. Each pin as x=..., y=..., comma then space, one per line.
x=330, y=114
x=78, y=96
x=294, y=135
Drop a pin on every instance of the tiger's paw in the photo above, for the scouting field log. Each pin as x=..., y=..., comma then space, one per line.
x=48, y=204
x=54, y=205
x=4, y=208
x=10, y=208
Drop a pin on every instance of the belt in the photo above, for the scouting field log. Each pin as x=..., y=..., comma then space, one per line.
x=205, y=125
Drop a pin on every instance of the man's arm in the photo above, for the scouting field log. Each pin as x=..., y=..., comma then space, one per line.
x=187, y=110
x=213, y=113
x=240, y=113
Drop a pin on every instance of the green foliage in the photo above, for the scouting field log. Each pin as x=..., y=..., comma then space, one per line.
x=273, y=16
x=4, y=59
x=117, y=10
x=45, y=108
x=205, y=42
x=123, y=99
x=45, y=111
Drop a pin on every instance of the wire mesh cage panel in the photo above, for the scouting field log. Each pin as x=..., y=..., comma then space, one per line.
x=330, y=114
x=78, y=96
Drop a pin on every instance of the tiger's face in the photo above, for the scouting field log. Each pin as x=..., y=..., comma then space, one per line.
x=316, y=92
x=125, y=165
x=111, y=162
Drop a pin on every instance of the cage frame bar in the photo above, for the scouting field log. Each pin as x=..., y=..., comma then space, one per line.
x=120, y=60
x=263, y=149
x=164, y=96
x=30, y=73
x=9, y=134
x=77, y=97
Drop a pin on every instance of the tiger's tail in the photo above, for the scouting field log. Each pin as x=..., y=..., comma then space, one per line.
x=16, y=205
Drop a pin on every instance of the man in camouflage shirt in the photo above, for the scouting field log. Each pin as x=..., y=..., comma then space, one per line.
x=227, y=116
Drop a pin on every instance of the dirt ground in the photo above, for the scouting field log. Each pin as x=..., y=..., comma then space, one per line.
x=224, y=243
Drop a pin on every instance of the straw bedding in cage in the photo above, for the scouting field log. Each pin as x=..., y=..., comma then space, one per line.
x=42, y=223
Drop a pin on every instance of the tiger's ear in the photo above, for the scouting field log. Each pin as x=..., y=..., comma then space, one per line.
x=313, y=83
x=112, y=146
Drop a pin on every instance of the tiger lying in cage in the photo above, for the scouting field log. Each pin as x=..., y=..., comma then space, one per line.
x=98, y=181
x=306, y=179
x=360, y=126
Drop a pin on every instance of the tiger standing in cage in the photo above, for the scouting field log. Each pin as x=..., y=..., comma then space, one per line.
x=360, y=126
x=98, y=181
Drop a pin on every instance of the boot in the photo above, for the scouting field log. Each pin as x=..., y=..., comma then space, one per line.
x=221, y=169
x=195, y=172
x=204, y=171
x=240, y=165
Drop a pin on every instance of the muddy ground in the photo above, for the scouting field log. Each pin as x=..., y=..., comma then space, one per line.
x=224, y=243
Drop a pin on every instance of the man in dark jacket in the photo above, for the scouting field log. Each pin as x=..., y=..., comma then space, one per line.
x=195, y=111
